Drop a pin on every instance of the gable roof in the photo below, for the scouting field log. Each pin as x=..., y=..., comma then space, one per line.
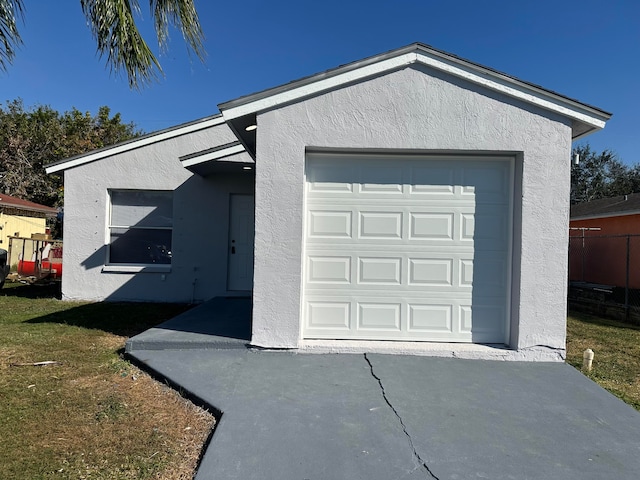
x=26, y=205
x=122, y=147
x=607, y=207
x=241, y=112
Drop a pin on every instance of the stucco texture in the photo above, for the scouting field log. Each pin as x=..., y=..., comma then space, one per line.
x=417, y=109
x=200, y=222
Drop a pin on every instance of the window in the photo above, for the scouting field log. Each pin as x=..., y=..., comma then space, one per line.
x=140, y=227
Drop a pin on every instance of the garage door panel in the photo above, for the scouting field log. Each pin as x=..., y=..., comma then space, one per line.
x=407, y=249
x=488, y=230
x=380, y=271
x=324, y=179
x=418, y=226
x=487, y=181
x=330, y=223
x=425, y=318
x=464, y=317
x=380, y=225
x=419, y=272
x=415, y=319
x=386, y=180
x=436, y=179
x=481, y=321
x=378, y=316
x=328, y=315
x=489, y=276
x=431, y=226
x=466, y=272
x=328, y=269
x=485, y=231
x=436, y=272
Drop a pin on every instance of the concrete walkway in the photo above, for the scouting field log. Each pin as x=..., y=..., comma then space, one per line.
x=382, y=417
x=222, y=322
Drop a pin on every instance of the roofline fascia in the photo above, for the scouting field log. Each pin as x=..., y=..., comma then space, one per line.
x=217, y=153
x=311, y=85
x=153, y=137
x=584, y=134
x=416, y=53
x=518, y=89
x=46, y=212
x=605, y=215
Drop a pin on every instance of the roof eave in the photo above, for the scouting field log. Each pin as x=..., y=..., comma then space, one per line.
x=46, y=212
x=129, y=145
x=586, y=118
x=597, y=216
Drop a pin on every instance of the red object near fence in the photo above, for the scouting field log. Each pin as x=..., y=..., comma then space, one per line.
x=54, y=268
x=26, y=268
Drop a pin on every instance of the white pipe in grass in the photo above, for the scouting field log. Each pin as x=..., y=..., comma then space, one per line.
x=587, y=360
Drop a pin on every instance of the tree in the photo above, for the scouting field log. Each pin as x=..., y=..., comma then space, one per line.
x=112, y=23
x=32, y=138
x=601, y=175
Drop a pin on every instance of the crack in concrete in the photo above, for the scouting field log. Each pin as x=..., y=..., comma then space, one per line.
x=548, y=347
x=404, y=427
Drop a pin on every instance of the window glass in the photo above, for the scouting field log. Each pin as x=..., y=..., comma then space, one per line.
x=135, y=208
x=140, y=227
x=140, y=246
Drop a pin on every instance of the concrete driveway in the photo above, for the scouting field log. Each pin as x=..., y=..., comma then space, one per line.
x=287, y=416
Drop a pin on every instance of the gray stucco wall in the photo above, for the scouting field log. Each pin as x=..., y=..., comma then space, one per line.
x=418, y=109
x=200, y=232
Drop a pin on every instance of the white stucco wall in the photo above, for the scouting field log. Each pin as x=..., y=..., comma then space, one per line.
x=418, y=109
x=200, y=219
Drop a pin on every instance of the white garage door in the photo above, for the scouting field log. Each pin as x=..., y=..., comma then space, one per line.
x=407, y=248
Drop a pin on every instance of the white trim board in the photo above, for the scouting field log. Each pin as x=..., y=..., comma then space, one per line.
x=131, y=145
x=420, y=55
x=215, y=155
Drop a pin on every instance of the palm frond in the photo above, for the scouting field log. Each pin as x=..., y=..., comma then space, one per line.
x=183, y=15
x=117, y=36
x=10, y=12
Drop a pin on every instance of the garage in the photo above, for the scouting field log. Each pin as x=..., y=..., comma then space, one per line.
x=407, y=247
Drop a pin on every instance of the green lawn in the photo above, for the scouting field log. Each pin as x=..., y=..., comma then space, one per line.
x=93, y=415
x=96, y=416
x=616, y=345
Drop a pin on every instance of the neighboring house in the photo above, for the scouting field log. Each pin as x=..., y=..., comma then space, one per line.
x=409, y=198
x=21, y=218
x=607, y=228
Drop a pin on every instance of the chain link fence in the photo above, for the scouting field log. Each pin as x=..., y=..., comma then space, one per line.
x=604, y=275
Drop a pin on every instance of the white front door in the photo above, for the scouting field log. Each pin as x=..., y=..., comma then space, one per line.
x=407, y=248
x=240, y=250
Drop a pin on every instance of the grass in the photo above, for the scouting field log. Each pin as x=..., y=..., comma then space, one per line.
x=616, y=365
x=94, y=415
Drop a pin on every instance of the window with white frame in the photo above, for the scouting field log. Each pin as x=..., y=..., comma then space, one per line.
x=140, y=227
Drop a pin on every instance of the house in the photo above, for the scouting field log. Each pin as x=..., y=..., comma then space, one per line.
x=22, y=218
x=604, y=239
x=410, y=201
x=607, y=216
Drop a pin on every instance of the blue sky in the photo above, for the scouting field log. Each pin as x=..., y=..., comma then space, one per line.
x=588, y=50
